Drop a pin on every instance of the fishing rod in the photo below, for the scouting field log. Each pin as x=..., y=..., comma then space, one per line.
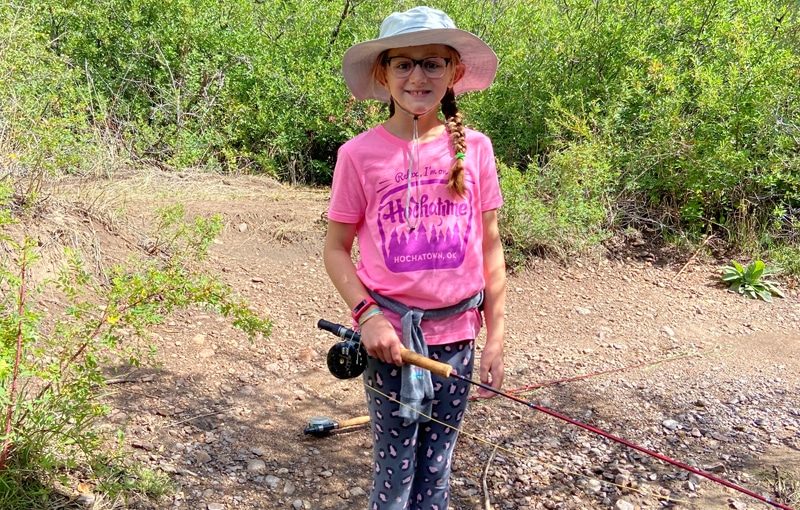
x=320, y=426
x=351, y=343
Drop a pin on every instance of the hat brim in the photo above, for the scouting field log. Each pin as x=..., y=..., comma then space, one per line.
x=479, y=60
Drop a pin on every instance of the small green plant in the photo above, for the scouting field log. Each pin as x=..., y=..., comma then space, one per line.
x=750, y=281
x=51, y=373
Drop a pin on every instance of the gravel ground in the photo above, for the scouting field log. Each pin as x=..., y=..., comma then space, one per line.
x=646, y=348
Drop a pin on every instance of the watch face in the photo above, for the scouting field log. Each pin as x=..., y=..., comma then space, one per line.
x=347, y=359
x=359, y=307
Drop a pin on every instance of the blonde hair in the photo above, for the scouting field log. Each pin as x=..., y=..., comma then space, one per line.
x=458, y=137
x=453, y=122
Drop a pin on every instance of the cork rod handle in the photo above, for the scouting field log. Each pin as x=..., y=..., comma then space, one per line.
x=436, y=367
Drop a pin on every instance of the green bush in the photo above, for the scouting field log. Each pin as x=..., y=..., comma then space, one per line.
x=694, y=105
x=559, y=209
x=47, y=125
x=51, y=373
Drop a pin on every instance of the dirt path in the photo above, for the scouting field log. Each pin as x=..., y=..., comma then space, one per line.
x=701, y=375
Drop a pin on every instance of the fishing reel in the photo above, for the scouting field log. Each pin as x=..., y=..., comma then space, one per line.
x=347, y=358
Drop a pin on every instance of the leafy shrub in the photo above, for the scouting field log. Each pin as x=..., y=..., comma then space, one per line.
x=694, y=105
x=50, y=376
x=47, y=124
x=558, y=209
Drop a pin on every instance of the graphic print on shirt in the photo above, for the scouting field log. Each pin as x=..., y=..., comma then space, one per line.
x=442, y=219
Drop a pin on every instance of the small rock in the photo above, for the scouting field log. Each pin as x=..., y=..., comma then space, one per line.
x=668, y=331
x=202, y=457
x=144, y=445
x=242, y=227
x=215, y=506
x=671, y=424
x=272, y=481
x=256, y=466
x=86, y=500
x=582, y=311
x=289, y=488
x=307, y=355
x=621, y=504
x=716, y=468
x=168, y=468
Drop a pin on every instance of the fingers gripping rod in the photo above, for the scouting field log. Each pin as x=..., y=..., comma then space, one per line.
x=411, y=357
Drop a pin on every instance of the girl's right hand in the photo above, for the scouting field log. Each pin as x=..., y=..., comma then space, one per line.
x=381, y=341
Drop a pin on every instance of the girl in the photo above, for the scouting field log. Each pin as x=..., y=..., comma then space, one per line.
x=421, y=194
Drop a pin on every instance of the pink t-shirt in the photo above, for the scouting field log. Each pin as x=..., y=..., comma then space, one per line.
x=439, y=262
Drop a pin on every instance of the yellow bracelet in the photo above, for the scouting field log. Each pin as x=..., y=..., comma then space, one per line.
x=370, y=315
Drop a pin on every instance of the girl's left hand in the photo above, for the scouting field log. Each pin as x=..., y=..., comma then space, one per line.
x=492, y=369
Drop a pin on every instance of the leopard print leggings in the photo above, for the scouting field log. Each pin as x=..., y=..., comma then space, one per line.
x=412, y=462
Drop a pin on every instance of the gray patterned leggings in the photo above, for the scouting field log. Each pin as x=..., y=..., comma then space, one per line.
x=412, y=463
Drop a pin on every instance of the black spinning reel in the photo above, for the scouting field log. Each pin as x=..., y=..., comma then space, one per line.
x=348, y=358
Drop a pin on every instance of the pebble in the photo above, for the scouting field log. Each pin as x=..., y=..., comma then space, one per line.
x=257, y=466
x=671, y=424
x=621, y=504
x=272, y=481
x=86, y=500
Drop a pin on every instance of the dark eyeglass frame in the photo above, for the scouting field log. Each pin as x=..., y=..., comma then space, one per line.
x=421, y=63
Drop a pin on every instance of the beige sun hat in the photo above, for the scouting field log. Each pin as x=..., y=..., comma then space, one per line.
x=417, y=27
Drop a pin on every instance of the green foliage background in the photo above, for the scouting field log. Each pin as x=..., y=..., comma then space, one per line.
x=677, y=116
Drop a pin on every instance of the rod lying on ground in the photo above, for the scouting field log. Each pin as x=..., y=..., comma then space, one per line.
x=321, y=426
x=446, y=371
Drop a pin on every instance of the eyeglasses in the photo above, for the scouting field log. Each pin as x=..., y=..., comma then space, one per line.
x=402, y=67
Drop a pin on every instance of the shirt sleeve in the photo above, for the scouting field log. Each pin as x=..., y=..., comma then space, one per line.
x=348, y=201
x=491, y=196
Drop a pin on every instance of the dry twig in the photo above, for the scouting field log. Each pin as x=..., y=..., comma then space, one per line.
x=694, y=255
x=486, y=503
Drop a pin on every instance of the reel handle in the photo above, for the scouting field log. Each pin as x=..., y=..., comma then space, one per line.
x=338, y=330
x=435, y=367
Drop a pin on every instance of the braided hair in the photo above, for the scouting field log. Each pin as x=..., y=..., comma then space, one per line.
x=455, y=128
